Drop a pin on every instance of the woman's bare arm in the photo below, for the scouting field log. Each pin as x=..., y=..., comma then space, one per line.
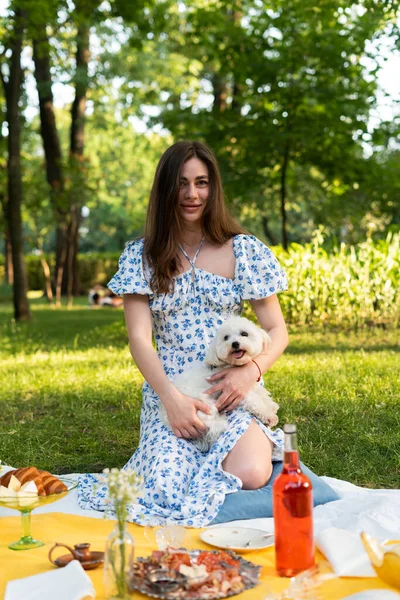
x=181, y=409
x=270, y=317
x=138, y=324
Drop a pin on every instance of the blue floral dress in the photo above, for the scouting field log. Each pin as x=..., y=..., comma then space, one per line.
x=181, y=484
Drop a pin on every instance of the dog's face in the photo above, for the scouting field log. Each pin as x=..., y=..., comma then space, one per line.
x=237, y=341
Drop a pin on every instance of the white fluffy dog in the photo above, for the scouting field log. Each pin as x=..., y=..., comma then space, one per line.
x=237, y=341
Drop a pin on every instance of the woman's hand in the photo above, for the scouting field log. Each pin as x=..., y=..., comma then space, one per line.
x=182, y=415
x=234, y=384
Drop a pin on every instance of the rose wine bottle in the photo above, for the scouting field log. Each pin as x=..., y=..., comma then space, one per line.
x=293, y=512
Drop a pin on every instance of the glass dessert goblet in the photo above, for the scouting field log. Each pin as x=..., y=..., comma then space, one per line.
x=25, y=505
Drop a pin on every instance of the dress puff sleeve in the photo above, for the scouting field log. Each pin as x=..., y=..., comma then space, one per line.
x=131, y=277
x=258, y=272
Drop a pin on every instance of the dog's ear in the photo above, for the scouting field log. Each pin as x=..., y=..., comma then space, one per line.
x=211, y=356
x=266, y=341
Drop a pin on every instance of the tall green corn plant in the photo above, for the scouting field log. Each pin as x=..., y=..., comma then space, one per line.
x=351, y=286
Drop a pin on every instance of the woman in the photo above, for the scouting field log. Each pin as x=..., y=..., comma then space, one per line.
x=191, y=271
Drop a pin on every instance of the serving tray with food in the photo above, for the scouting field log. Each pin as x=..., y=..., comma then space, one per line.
x=193, y=574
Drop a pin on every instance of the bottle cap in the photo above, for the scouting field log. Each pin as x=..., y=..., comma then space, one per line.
x=289, y=428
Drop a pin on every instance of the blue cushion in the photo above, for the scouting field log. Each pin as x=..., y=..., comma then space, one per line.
x=254, y=504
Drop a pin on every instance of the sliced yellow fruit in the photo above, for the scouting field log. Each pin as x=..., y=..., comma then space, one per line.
x=385, y=562
x=7, y=493
x=28, y=488
x=14, y=484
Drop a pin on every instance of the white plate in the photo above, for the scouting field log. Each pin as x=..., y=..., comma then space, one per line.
x=241, y=539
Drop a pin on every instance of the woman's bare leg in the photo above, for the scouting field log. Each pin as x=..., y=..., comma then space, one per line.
x=251, y=458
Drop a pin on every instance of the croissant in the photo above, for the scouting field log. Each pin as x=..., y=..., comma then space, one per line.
x=23, y=475
x=51, y=483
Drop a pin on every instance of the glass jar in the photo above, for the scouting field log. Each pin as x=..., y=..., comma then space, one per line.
x=118, y=562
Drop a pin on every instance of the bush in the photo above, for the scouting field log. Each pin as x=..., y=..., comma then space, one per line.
x=93, y=268
x=96, y=268
x=5, y=292
x=349, y=286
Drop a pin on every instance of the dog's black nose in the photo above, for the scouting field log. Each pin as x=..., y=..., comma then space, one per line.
x=235, y=345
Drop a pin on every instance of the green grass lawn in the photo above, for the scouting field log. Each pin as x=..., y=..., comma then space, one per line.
x=70, y=395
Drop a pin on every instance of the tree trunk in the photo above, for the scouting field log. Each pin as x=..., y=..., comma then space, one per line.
x=77, y=139
x=48, y=127
x=8, y=267
x=61, y=257
x=267, y=231
x=220, y=94
x=283, y=196
x=237, y=88
x=12, y=89
x=47, y=276
x=71, y=255
x=81, y=83
x=9, y=262
x=51, y=145
x=237, y=97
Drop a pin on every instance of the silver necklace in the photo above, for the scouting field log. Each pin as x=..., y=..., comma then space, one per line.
x=192, y=263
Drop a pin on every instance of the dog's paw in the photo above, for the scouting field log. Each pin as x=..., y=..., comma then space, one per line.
x=273, y=420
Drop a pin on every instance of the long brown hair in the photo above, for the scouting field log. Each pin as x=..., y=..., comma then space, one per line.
x=163, y=226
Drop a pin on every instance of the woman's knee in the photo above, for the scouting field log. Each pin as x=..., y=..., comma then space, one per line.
x=255, y=476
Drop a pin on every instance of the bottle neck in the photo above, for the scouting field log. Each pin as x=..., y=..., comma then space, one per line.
x=291, y=458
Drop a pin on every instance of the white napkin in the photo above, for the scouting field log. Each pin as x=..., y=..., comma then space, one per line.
x=374, y=595
x=67, y=583
x=345, y=552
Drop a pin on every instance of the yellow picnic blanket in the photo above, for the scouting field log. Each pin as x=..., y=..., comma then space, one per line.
x=72, y=529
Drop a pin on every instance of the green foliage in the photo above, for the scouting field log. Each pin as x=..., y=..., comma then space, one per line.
x=93, y=268
x=34, y=270
x=281, y=93
x=121, y=171
x=345, y=286
x=351, y=286
x=96, y=268
x=113, y=182
x=5, y=288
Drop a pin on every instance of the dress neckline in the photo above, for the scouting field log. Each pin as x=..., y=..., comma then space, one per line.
x=232, y=279
x=185, y=254
x=192, y=263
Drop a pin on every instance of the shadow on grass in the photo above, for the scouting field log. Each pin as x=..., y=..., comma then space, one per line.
x=67, y=433
x=83, y=328
x=374, y=340
x=52, y=330
x=70, y=433
x=295, y=349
